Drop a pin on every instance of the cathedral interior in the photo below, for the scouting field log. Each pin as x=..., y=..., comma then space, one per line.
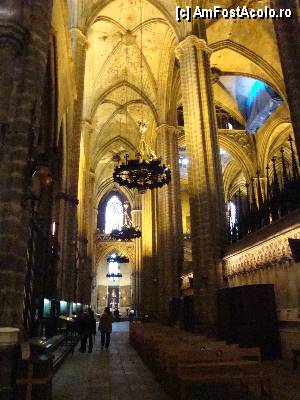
x=152, y=166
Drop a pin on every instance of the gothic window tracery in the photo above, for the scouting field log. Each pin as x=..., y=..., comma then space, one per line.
x=232, y=214
x=113, y=214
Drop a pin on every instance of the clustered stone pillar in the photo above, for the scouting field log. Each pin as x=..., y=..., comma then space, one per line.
x=204, y=177
x=148, y=289
x=70, y=272
x=288, y=39
x=79, y=55
x=12, y=262
x=27, y=94
x=20, y=95
x=169, y=222
x=137, y=221
x=12, y=40
x=9, y=338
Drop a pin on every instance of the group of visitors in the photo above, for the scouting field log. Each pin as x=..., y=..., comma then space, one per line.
x=86, y=328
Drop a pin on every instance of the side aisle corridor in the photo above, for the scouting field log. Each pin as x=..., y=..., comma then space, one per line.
x=116, y=374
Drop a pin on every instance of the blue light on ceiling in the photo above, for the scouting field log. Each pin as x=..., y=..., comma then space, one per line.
x=256, y=99
x=261, y=103
x=257, y=88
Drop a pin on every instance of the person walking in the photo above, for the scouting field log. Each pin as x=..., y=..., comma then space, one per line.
x=105, y=327
x=89, y=330
x=79, y=327
x=117, y=315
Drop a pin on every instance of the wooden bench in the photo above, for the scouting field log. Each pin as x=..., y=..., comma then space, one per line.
x=243, y=372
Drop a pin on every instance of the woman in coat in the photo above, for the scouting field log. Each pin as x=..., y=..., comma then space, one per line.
x=105, y=327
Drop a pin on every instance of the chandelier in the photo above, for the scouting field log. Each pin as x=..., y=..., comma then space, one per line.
x=128, y=230
x=114, y=275
x=120, y=259
x=145, y=171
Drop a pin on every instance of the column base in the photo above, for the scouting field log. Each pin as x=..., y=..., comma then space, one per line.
x=9, y=351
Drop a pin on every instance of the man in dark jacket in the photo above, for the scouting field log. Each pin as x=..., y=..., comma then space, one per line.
x=89, y=330
x=117, y=315
x=105, y=327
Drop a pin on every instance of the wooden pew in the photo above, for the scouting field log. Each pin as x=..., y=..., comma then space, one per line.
x=223, y=372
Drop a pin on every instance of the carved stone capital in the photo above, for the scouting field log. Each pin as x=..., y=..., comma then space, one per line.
x=86, y=125
x=13, y=34
x=189, y=42
x=168, y=129
x=79, y=36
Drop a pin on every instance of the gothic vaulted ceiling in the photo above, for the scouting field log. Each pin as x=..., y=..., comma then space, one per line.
x=130, y=64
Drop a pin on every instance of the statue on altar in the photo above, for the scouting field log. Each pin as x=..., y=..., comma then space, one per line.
x=127, y=220
x=113, y=303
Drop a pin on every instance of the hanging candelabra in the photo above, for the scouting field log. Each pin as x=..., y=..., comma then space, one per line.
x=145, y=171
x=114, y=275
x=120, y=259
x=128, y=230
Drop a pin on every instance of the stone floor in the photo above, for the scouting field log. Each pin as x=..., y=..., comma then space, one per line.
x=116, y=374
x=120, y=374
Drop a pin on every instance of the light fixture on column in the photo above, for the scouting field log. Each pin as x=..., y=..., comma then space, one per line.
x=42, y=170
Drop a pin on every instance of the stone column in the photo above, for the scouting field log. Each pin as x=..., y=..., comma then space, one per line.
x=169, y=222
x=61, y=204
x=204, y=177
x=79, y=55
x=12, y=265
x=12, y=40
x=147, y=289
x=288, y=38
x=19, y=96
x=69, y=271
x=136, y=282
x=8, y=360
x=28, y=92
x=79, y=51
x=91, y=228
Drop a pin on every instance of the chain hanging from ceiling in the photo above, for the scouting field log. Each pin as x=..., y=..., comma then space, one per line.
x=146, y=170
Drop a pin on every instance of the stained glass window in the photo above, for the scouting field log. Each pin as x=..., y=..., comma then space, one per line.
x=232, y=214
x=113, y=214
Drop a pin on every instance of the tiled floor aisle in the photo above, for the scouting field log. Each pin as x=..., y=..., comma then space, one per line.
x=118, y=374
